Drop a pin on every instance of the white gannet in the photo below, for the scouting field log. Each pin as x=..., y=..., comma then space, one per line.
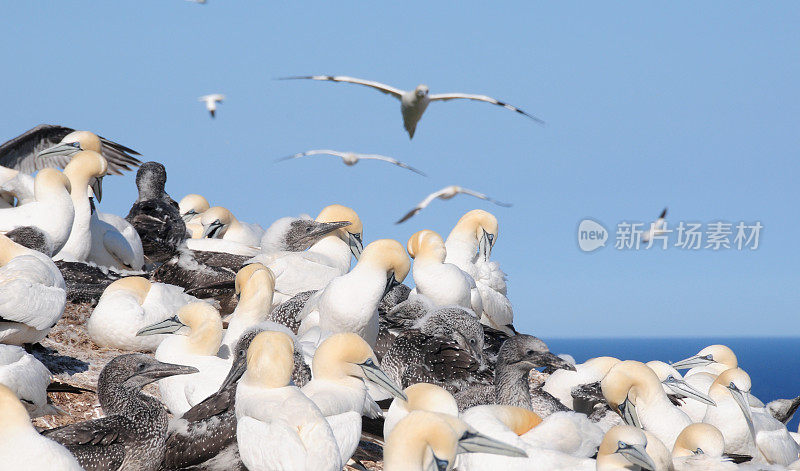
x=52, y=212
x=623, y=448
x=32, y=293
x=700, y=446
x=661, y=455
x=197, y=330
x=254, y=285
x=469, y=247
x=47, y=145
x=278, y=427
x=342, y=364
x=352, y=158
x=656, y=229
x=129, y=304
x=192, y=207
x=748, y=431
x=219, y=223
x=414, y=102
x=211, y=102
x=561, y=382
x=115, y=243
x=349, y=303
x=420, y=396
x=674, y=384
x=633, y=389
x=713, y=359
x=27, y=378
x=442, y=283
x=21, y=446
x=446, y=193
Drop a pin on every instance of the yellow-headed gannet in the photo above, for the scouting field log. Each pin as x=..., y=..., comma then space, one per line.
x=420, y=396
x=192, y=207
x=349, y=303
x=700, y=446
x=657, y=228
x=713, y=359
x=211, y=102
x=278, y=426
x=21, y=446
x=446, y=193
x=32, y=293
x=352, y=158
x=561, y=382
x=255, y=286
x=129, y=304
x=414, y=102
x=674, y=384
x=623, y=448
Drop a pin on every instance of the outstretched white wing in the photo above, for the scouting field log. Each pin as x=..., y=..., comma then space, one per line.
x=487, y=99
x=422, y=205
x=313, y=152
x=381, y=87
x=476, y=194
x=391, y=161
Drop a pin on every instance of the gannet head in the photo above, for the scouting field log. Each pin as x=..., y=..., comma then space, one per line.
x=426, y=244
x=734, y=382
x=460, y=324
x=421, y=91
x=73, y=143
x=711, y=354
x=626, y=383
x=623, y=447
x=431, y=398
x=519, y=420
x=30, y=237
x=50, y=181
x=348, y=355
x=137, y=286
x=191, y=205
x=601, y=365
x=13, y=415
x=699, y=439
x=199, y=320
x=297, y=234
x=85, y=166
x=674, y=383
x=387, y=255
x=270, y=360
x=134, y=371
x=255, y=287
x=216, y=221
x=527, y=352
x=151, y=179
x=478, y=225
x=353, y=233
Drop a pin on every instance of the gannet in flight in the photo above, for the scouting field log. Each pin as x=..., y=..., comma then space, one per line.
x=446, y=193
x=414, y=102
x=352, y=158
x=211, y=100
x=656, y=228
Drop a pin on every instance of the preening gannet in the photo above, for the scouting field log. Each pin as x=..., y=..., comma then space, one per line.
x=278, y=426
x=219, y=223
x=352, y=158
x=115, y=243
x=211, y=101
x=197, y=330
x=713, y=359
x=446, y=193
x=21, y=446
x=633, y=390
x=341, y=365
x=52, y=212
x=623, y=448
x=349, y=303
x=130, y=304
x=700, y=446
x=469, y=247
x=155, y=215
x=561, y=382
x=133, y=433
x=657, y=228
x=192, y=207
x=255, y=285
x=32, y=293
x=414, y=102
x=27, y=378
x=420, y=396
x=47, y=145
x=442, y=283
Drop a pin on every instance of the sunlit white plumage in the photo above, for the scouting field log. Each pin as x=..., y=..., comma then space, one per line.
x=255, y=285
x=115, y=243
x=27, y=378
x=352, y=158
x=211, y=100
x=446, y=193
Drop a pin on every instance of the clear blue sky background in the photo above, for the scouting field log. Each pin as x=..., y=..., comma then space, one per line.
x=686, y=105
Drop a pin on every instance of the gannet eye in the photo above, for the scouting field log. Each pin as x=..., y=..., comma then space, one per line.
x=140, y=366
x=622, y=445
x=698, y=451
x=76, y=145
x=472, y=341
x=670, y=379
x=709, y=357
x=529, y=352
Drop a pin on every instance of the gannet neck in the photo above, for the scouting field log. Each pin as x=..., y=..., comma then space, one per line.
x=511, y=385
x=386, y=255
x=13, y=415
x=519, y=420
x=431, y=398
x=700, y=436
x=10, y=249
x=339, y=356
x=633, y=380
x=205, y=328
x=270, y=360
x=134, y=285
x=416, y=439
x=334, y=249
x=255, y=300
x=83, y=166
x=50, y=185
x=468, y=231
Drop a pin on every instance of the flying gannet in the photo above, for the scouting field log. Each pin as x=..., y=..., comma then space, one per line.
x=414, y=102
x=446, y=193
x=657, y=228
x=352, y=158
x=211, y=100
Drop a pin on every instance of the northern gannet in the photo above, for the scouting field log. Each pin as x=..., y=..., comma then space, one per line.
x=52, y=212
x=197, y=330
x=192, y=207
x=278, y=426
x=133, y=433
x=446, y=193
x=211, y=101
x=442, y=283
x=27, y=378
x=294, y=234
x=128, y=305
x=657, y=228
x=633, y=390
x=414, y=102
x=561, y=382
x=47, y=145
x=220, y=223
x=700, y=446
x=32, y=293
x=155, y=215
x=713, y=359
x=674, y=384
x=623, y=448
x=352, y=158
x=420, y=396
x=469, y=247
x=115, y=243
x=349, y=303
x=342, y=364
x=254, y=285
x=21, y=446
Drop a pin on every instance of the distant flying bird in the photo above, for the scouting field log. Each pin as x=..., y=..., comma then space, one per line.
x=414, y=102
x=352, y=158
x=446, y=193
x=212, y=100
x=198, y=1
x=657, y=228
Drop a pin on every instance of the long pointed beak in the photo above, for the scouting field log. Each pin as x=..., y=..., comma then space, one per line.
x=164, y=370
x=554, y=361
x=485, y=246
x=377, y=376
x=474, y=442
x=741, y=399
x=58, y=150
x=682, y=388
x=637, y=455
x=390, y=283
x=97, y=188
x=324, y=228
x=237, y=370
x=629, y=414
x=691, y=362
x=356, y=244
x=188, y=215
x=211, y=230
x=169, y=326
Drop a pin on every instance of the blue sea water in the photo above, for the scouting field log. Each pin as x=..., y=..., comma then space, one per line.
x=772, y=363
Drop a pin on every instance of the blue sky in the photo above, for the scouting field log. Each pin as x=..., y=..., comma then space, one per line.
x=686, y=105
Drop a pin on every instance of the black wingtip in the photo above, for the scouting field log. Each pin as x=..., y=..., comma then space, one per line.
x=663, y=214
